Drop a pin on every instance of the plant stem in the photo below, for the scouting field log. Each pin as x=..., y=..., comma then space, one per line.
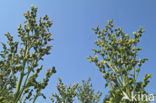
x=18, y=86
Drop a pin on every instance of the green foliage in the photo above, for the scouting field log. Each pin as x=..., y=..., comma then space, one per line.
x=66, y=94
x=19, y=64
x=86, y=94
x=116, y=58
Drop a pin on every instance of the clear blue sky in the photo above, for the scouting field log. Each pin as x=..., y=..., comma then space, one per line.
x=74, y=39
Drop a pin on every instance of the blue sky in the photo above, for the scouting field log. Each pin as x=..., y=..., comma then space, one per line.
x=74, y=38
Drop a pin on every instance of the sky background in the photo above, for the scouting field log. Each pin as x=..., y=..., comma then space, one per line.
x=74, y=38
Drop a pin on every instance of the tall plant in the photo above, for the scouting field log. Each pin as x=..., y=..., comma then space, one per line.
x=19, y=64
x=116, y=56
